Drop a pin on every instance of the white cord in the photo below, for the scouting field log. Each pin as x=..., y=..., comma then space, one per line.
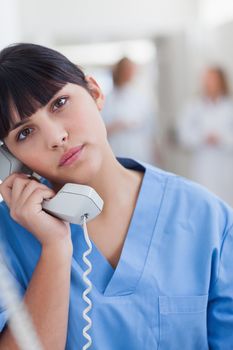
x=89, y=286
x=20, y=322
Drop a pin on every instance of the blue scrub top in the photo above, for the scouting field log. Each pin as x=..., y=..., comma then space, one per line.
x=173, y=286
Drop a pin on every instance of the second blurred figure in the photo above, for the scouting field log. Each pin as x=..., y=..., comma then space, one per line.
x=206, y=128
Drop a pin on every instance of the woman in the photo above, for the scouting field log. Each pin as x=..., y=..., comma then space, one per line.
x=162, y=247
x=128, y=116
x=206, y=128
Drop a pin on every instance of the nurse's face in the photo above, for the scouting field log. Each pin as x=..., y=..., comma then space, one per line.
x=65, y=140
x=212, y=84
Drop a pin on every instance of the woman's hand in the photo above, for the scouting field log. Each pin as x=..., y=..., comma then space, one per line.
x=24, y=197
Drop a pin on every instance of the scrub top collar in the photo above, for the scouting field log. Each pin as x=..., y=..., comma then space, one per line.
x=124, y=279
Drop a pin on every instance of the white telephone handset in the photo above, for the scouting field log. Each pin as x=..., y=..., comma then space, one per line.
x=71, y=203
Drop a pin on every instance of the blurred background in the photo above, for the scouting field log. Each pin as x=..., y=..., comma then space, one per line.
x=166, y=68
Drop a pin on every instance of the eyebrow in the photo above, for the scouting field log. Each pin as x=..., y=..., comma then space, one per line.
x=22, y=122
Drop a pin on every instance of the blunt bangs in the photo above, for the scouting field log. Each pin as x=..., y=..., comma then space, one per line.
x=30, y=75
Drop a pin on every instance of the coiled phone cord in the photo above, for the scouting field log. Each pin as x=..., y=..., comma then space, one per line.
x=89, y=285
x=20, y=321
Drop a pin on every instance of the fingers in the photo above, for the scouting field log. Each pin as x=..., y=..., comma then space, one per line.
x=17, y=188
x=37, y=197
x=23, y=212
x=23, y=188
x=7, y=184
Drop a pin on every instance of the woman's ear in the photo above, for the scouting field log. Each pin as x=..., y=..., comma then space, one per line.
x=95, y=92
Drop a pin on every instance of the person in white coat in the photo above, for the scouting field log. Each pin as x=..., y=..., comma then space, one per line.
x=206, y=128
x=128, y=116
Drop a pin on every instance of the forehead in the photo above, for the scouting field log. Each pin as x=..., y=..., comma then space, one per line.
x=212, y=74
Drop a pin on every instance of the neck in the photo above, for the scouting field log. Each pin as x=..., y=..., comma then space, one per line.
x=214, y=97
x=115, y=184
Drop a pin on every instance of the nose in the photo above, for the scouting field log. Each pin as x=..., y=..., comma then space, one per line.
x=55, y=135
x=61, y=140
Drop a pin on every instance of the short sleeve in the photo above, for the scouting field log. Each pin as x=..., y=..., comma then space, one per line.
x=220, y=308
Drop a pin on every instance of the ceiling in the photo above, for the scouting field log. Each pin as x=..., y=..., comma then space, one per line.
x=76, y=21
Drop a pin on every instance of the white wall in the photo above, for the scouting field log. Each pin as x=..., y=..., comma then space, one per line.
x=10, y=26
x=10, y=29
x=214, y=12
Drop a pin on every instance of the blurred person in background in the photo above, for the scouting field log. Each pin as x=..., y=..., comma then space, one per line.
x=128, y=116
x=206, y=128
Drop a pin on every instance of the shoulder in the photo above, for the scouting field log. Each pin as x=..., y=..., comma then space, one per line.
x=194, y=104
x=226, y=103
x=188, y=201
x=227, y=100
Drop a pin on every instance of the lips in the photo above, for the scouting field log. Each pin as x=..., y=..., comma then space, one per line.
x=68, y=156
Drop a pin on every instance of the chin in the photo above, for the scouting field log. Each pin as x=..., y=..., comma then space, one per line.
x=84, y=173
x=88, y=172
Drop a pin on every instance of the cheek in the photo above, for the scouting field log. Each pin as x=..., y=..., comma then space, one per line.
x=36, y=166
x=36, y=163
x=88, y=122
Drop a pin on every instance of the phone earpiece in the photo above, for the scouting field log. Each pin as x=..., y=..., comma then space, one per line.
x=9, y=164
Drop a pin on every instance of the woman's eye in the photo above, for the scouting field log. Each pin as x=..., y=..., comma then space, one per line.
x=60, y=102
x=23, y=134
